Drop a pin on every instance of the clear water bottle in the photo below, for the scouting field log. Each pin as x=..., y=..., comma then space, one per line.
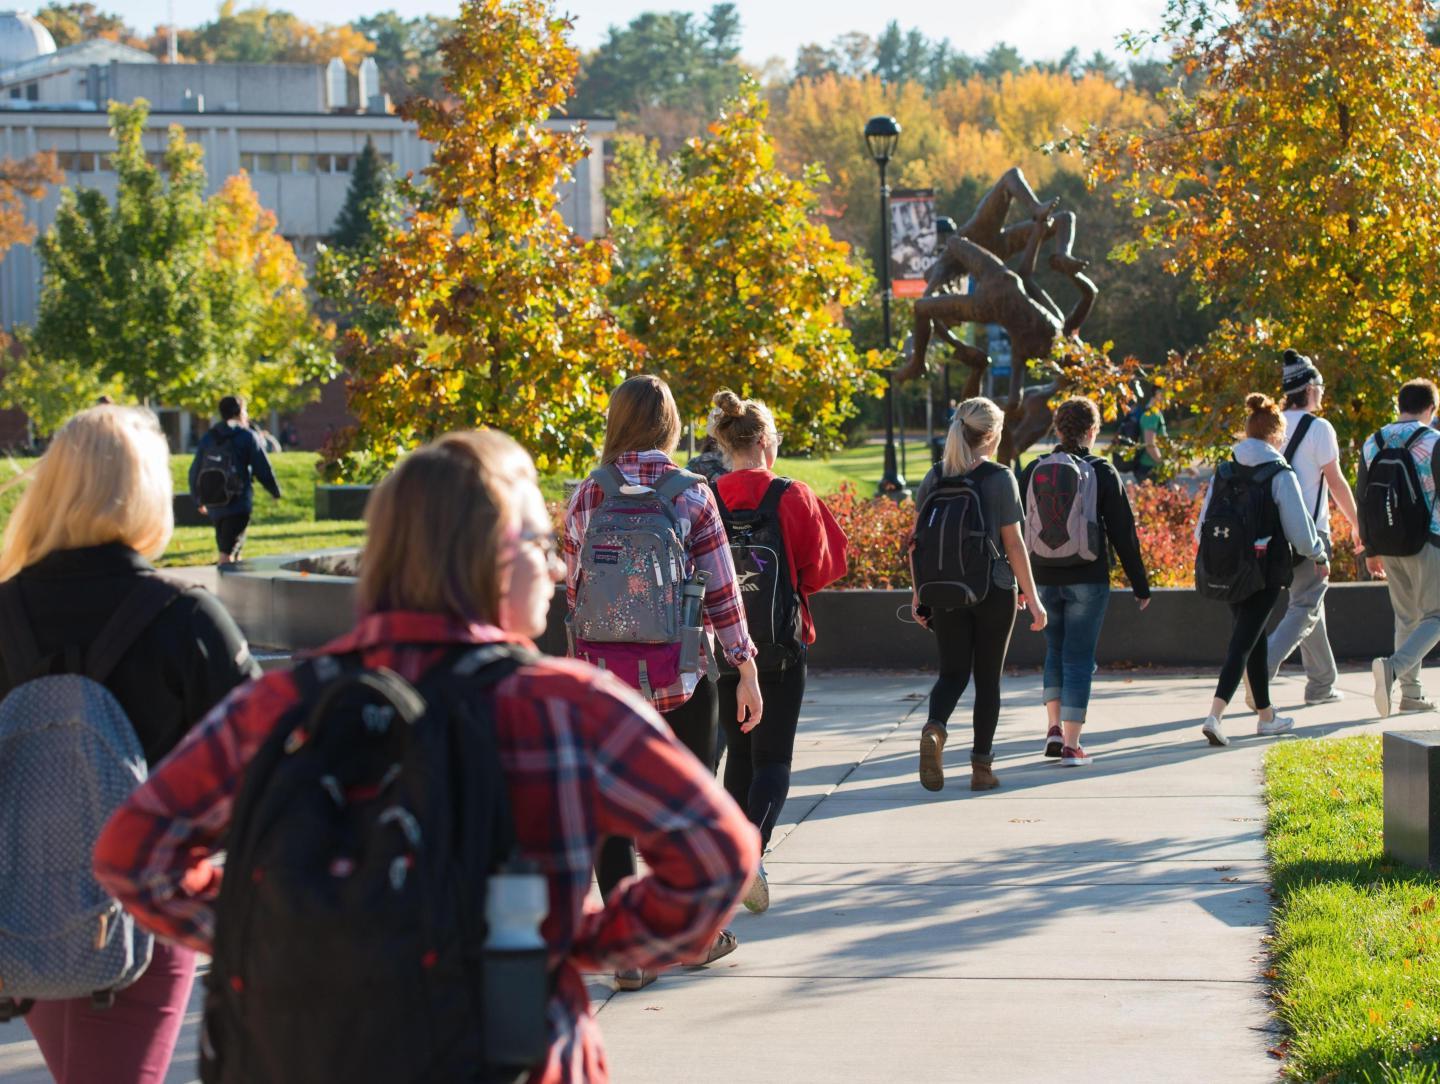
x=517, y=982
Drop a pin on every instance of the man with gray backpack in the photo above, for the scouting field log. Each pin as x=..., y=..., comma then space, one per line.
x=1400, y=530
x=1077, y=521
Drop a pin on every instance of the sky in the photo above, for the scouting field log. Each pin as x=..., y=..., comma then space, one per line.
x=1040, y=29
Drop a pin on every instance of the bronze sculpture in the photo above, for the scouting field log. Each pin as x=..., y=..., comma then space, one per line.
x=998, y=295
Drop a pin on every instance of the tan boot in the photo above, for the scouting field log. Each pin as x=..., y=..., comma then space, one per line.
x=981, y=777
x=932, y=764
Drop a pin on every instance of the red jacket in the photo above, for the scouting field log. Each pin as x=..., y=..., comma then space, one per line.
x=814, y=542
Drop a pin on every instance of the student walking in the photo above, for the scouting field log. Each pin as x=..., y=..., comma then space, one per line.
x=967, y=557
x=227, y=464
x=1400, y=530
x=460, y=566
x=642, y=431
x=78, y=596
x=786, y=546
x=1150, y=457
x=1077, y=521
x=1253, y=522
x=1313, y=452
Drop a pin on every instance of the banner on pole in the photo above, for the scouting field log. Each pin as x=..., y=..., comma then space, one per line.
x=912, y=239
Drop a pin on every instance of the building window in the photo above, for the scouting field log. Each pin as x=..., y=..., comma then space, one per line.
x=303, y=163
x=16, y=92
x=283, y=163
x=32, y=92
x=344, y=163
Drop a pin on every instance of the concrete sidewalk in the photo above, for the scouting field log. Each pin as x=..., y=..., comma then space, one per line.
x=1090, y=924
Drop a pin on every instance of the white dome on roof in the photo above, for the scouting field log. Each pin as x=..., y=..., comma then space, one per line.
x=22, y=38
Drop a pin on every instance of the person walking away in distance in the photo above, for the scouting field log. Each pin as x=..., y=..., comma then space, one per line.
x=776, y=584
x=78, y=595
x=642, y=432
x=1067, y=493
x=1150, y=457
x=227, y=464
x=969, y=515
x=1396, y=487
x=460, y=555
x=1255, y=510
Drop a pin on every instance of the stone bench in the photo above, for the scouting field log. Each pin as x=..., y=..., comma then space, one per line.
x=1411, y=765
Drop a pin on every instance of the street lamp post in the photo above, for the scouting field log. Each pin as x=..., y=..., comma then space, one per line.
x=881, y=135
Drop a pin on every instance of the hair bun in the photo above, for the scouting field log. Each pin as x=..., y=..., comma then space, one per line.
x=1259, y=404
x=728, y=403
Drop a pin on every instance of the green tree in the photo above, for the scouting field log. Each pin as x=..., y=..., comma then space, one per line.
x=1298, y=187
x=369, y=202
x=75, y=22
x=407, y=51
x=163, y=296
x=727, y=281
x=499, y=312
x=364, y=226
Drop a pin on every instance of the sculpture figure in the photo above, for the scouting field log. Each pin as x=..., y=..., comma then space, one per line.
x=998, y=295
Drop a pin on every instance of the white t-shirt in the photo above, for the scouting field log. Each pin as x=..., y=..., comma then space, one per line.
x=1316, y=451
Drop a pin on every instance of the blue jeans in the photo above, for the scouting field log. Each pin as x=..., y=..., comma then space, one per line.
x=1076, y=614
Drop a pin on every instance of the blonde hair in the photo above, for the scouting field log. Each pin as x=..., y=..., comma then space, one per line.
x=976, y=422
x=104, y=478
x=642, y=417
x=437, y=525
x=738, y=424
x=1265, y=422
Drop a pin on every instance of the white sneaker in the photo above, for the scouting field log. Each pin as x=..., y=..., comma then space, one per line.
x=1214, y=732
x=1384, y=675
x=1416, y=703
x=1249, y=694
x=757, y=896
x=1278, y=724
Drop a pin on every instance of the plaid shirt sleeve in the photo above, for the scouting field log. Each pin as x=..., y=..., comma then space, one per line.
x=710, y=550
x=154, y=854
x=583, y=502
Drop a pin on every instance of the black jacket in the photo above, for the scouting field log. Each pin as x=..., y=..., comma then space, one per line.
x=253, y=462
x=1118, y=522
x=181, y=666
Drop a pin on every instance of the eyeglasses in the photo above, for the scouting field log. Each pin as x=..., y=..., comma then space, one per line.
x=545, y=542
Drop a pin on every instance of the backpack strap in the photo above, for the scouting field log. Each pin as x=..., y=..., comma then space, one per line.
x=135, y=614
x=1420, y=431
x=610, y=479
x=675, y=482
x=774, y=494
x=1297, y=438
x=720, y=505
x=17, y=640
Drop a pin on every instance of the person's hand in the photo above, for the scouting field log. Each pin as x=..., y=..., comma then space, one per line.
x=921, y=619
x=1038, y=617
x=1376, y=567
x=1143, y=603
x=203, y=510
x=749, y=705
x=1323, y=568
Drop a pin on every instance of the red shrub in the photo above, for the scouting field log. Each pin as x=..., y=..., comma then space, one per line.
x=879, y=533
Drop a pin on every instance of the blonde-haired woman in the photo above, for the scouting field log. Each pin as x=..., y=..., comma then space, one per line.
x=811, y=557
x=642, y=431
x=460, y=553
x=974, y=640
x=76, y=552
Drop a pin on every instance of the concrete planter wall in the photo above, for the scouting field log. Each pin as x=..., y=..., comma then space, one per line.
x=341, y=501
x=290, y=603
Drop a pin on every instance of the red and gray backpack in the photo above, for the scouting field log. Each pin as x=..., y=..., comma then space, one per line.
x=1062, y=521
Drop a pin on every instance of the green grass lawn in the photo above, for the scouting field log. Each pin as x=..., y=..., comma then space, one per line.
x=1357, y=937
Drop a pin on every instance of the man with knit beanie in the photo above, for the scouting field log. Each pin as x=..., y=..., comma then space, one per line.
x=1314, y=453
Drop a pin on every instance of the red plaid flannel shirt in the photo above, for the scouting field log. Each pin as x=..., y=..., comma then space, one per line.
x=584, y=756
x=709, y=550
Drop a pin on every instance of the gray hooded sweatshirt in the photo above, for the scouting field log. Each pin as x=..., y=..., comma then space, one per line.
x=1285, y=488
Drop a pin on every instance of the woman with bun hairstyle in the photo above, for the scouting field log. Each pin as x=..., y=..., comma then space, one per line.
x=642, y=431
x=757, y=766
x=1077, y=595
x=1247, y=654
x=974, y=640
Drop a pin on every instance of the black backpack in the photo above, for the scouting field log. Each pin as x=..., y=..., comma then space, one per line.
x=1394, y=513
x=762, y=575
x=1243, y=548
x=221, y=478
x=952, y=556
x=350, y=927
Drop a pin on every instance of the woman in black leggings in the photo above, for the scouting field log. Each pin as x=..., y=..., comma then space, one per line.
x=973, y=640
x=1247, y=654
x=757, y=759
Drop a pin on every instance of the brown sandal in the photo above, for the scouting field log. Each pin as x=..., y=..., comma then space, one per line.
x=724, y=944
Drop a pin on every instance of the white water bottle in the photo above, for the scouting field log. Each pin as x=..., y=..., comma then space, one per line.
x=516, y=974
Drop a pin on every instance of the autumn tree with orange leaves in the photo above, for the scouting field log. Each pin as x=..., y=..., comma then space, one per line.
x=1299, y=185
x=499, y=315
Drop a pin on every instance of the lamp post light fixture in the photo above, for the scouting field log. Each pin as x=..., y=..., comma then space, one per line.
x=882, y=134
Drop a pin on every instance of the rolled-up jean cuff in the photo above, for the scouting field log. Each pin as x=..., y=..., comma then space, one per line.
x=1071, y=715
x=1050, y=693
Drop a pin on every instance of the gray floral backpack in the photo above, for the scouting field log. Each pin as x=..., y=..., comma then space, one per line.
x=634, y=572
x=69, y=757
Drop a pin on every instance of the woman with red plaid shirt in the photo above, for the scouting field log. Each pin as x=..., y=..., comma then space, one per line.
x=460, y=552
x=642, y=431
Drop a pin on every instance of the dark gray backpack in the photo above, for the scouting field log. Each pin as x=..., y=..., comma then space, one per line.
x=69, y=757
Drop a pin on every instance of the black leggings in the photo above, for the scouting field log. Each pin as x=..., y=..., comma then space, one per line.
x=1248, y=652
x=694, y=724
x=757, y=764
x=973, y=641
